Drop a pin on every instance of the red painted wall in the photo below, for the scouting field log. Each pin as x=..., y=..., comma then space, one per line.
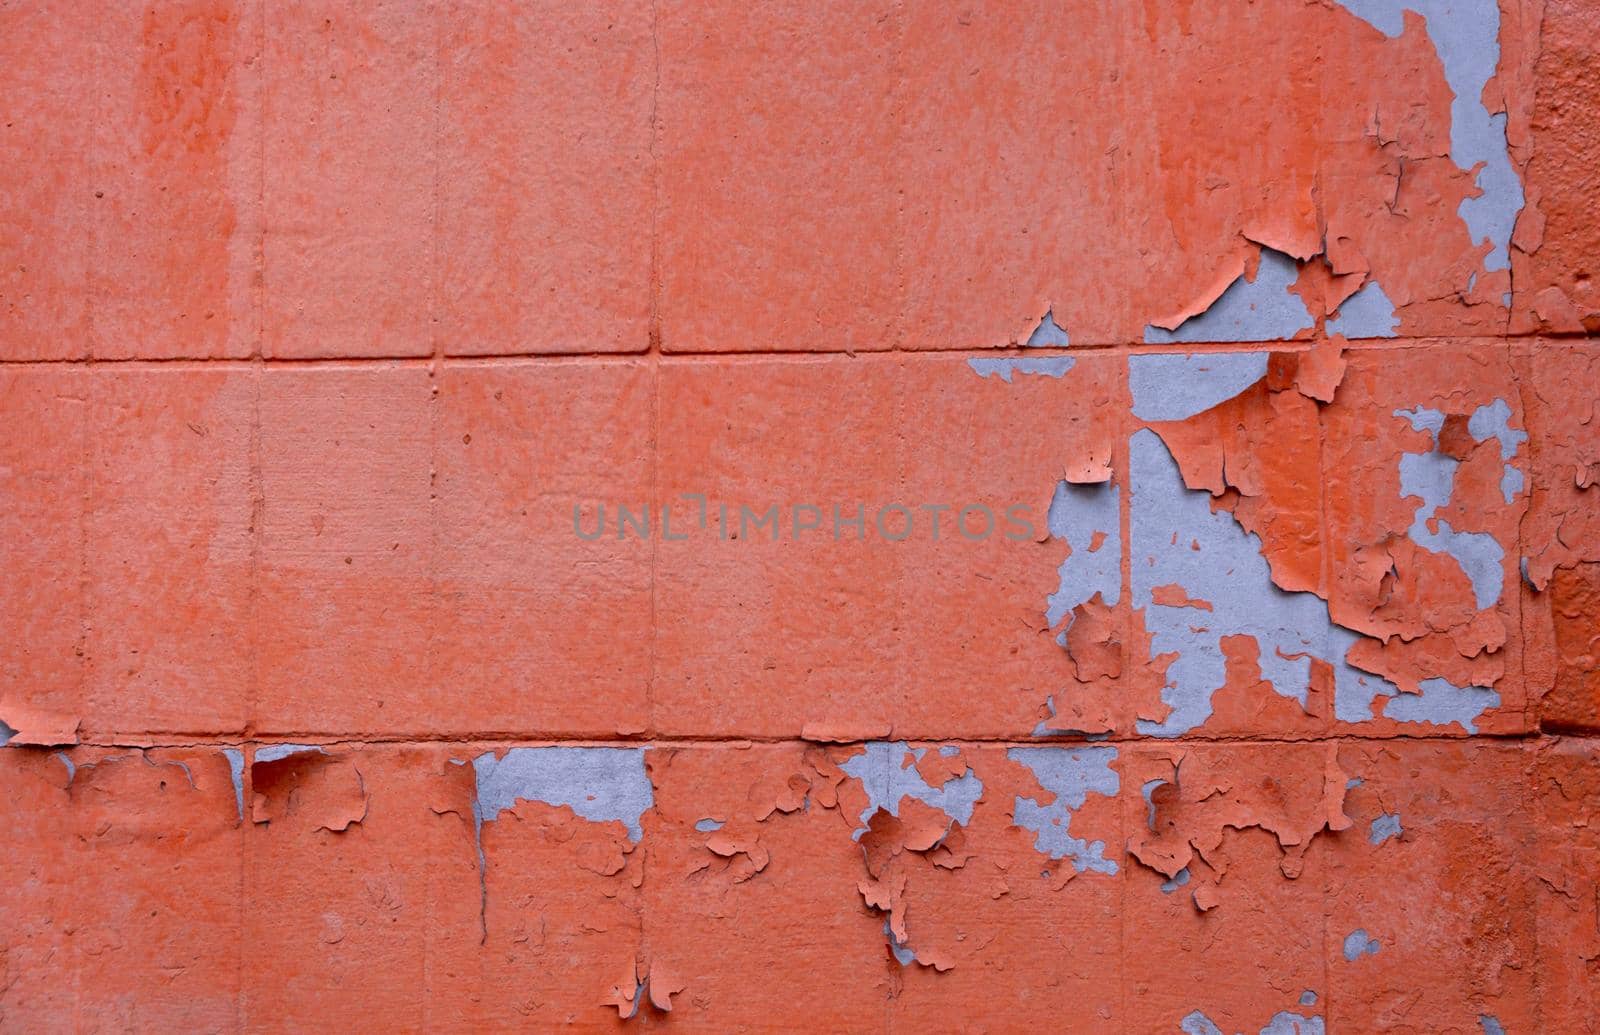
x=1096, y=505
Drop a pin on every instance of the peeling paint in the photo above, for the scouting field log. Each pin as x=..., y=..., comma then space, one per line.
x=1358, y=944
x=1179, y=540
x=1385, y=827
x=598, y=784
x=1088, y=518
x=250, y=487
x=1366, y=314
x=1176, y=387
x=1043, y=366
x=1263, y=309
x=1430, y=477
x=1071, y=774
x=888, y=774
x=1466, y=35
x=1048, y=333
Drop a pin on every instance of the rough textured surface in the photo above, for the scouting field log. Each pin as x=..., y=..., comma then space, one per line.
x=769, y=516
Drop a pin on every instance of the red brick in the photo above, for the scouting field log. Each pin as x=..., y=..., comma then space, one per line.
x=734, y=609
x=352, y=927
x=1557, y=234
x=1249, y=901
x=170, y=542
x=1564, y=781
x=539, y=628
x=127, y=872
x=47, y=79
x=346, y=592
x=727, y=927
x=1009, y=171
x=1451, y=901
x=546, y=180
x=44, y=481
x=349, y=179
x=977, y=653
x=178, y=149
x=778, y=214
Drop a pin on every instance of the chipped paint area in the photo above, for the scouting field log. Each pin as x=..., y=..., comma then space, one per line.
x=1430, y=477
x=1260, y=332
x=888, y=773
x=1005, y=369
x=1070, y=775
x=599, y=784
x=1258, y=308
x=1179, y=387
x=1466, y=35
x=1178, y=541
x=1366, y=314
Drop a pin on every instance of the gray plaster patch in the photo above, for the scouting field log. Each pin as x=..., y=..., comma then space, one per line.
x=1308, y=998
x=1511, y=483
x=1176, y=387
x=1077, y=513
x=275, y=752
x=6, y=733
x=72, y=770
x=1440, y=703
x=1423, y=418
x=1430, y=477
x=1466, y=36
x=1070, y=774
x=598, y=784
x=236, y=770
x=1493, y=420
x=888, y=773
x=1357, y=944
x=1283, y=1022
x=1286, y=1023
x=1178, y=880
x=1490, y=1025
x=706, y=826
x=1178, y=540
x=1048, y=332
x=1198, y=1023
x=1260, y=310
x=1366, y=314
x=1385, y=827
x=1043, y=366
x=902, y=954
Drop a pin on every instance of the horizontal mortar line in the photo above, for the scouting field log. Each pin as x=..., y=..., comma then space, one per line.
x=691, y=356
x=516, y=740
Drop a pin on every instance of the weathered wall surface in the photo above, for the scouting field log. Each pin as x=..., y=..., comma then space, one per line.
x=1181, y=610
